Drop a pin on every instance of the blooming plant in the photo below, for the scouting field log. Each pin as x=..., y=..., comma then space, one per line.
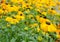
x=29, y=20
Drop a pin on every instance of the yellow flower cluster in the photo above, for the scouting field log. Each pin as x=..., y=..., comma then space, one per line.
x=36, y=10
x=40, y=5
x=46, y=24
x=15, y=19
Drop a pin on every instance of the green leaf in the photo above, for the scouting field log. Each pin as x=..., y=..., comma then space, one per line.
x=13, y=40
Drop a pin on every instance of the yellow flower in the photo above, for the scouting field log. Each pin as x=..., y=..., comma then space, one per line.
x=48, y=26
x=22, y=17
x=4, y=6
x=52, y=11
x=20, y=0
x=37, y=17
x=3, y=1
x=52, y=28
x=9, y=9
x=52, y=3
x=1, y=11
x=5, y=11
x=46, y=6
x=13, y=8
x=44, y=13
x=14, y=21
x=14, y=1
x=11, y=20
x=42, y=20
x=23, y=5
x=20, y=13
x=8, y=19
x=17, y=17
x=38, y=5
x=58, y=3
x=44, y=27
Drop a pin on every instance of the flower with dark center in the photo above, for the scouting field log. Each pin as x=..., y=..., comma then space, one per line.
x=52, y=8
x=6, y=3
x=45, y=17
x=27, y=5
x=20, y=14
x=2, y=1
x=26, y=1
x=40, y=16
x=3, y=9
x=48, y=23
